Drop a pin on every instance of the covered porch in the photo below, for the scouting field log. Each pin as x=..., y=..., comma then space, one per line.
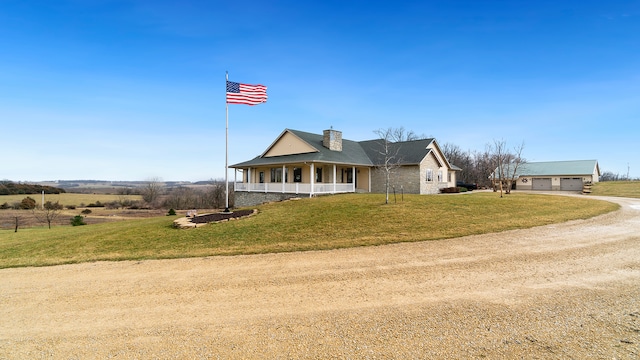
x=304, y=179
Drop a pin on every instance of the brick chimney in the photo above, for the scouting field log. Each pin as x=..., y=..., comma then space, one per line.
x=332, y=140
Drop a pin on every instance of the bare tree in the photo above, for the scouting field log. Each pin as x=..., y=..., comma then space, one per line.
x=456, y=156
x=400, y=134
x=505, y=164
x=388, y=156
x=215, y=196
x=486, y=165
x=48, y=213
x=514, y=161
x=152, y=190
x=497, y=151
x=182, y=198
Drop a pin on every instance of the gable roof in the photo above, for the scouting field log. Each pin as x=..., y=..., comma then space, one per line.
x=363, y=153
x=408, y=152
x=351, y=154
x=284, y=134
x=556, y=168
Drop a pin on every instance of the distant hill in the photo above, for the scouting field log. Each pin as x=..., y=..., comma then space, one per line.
x=12, y=188
x=114, y=187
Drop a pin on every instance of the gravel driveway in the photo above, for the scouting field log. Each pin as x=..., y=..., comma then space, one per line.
x=566, y=291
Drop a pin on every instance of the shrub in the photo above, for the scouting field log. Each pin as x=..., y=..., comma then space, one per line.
x=85, y=211
x=134, y=204
x=53, y=206
x=4, y=206
x=78, y=220
x=113, y=205
x=450, y=190
x=96, y=204
x=70, y=207
x=27, y=203
x=171, y=212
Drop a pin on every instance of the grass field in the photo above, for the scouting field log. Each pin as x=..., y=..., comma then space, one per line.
x=629, y=189
x=308, y=224
x=69, y=198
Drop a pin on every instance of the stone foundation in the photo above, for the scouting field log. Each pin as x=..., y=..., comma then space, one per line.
x=244, y=199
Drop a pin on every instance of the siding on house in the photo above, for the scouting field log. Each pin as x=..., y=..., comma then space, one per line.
x=289, y=144
x=432, y=186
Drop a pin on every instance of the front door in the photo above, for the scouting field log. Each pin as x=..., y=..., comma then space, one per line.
x=297, y=174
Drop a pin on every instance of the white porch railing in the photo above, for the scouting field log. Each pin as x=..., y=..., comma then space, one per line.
x=295, y=188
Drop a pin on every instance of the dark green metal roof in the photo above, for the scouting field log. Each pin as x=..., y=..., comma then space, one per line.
x=351, y=154
x=406, y=152
x=363, y=153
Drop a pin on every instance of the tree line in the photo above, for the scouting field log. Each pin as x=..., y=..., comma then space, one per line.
x=496, y=167
x=479, y=167
x=12, y=188
x=157, y=195
x=611, y=176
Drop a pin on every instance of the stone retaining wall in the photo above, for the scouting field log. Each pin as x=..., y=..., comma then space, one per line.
x=244, y=199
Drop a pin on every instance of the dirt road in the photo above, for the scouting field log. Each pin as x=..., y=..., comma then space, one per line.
x=567, y=291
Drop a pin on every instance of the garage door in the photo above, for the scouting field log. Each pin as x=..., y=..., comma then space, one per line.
x=571, y=184
x=541, y=184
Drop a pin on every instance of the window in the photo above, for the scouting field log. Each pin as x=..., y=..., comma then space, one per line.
x=261, y=177
x=319, y=174
x=297, y=174
x=439, y=175
x=276, y=174
x=350, y=176
x=448, y=176
x=429, y=175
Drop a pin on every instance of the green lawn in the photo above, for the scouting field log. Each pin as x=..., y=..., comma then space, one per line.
x=307, y=224
x=617, y=188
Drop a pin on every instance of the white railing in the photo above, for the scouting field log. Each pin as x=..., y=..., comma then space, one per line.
x=295, y=188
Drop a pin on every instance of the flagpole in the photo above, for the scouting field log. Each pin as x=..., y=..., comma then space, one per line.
x=226, y=150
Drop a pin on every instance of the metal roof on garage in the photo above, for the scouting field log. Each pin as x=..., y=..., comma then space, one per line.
x=558, y=168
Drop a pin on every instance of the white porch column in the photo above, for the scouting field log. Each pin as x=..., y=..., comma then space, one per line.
x=354, y=178
x=283, y=177
x=312, y=171
x=369, y=170
x=334, y=178
x=248, y=179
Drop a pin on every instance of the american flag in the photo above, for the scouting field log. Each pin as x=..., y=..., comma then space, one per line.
x=246, y=94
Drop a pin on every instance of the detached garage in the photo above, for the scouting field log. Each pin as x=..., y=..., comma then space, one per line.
x=571, y=184
x=540, y=184
x=557, y=175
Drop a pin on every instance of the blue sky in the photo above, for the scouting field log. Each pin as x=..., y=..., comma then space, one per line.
x=132, y=90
